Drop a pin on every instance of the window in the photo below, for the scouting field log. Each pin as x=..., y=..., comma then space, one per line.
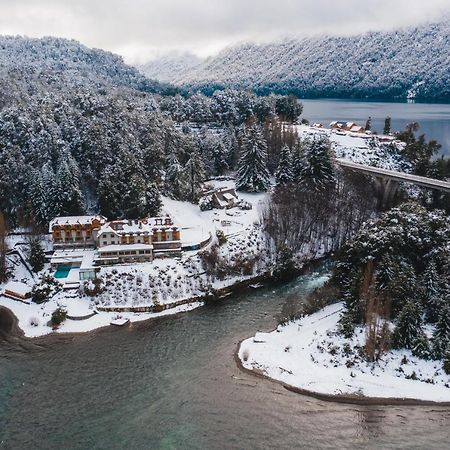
x=105, y=243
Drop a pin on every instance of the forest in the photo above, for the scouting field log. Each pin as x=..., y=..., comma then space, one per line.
x=404, y=63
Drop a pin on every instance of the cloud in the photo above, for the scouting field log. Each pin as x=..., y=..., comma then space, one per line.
x=140, y=29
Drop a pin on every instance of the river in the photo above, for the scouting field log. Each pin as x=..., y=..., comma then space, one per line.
x=172, y=383
x=434, y=119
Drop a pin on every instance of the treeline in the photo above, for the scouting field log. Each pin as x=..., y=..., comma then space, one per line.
x=230, y=107
x=398, y=269
x=315, y=207
x=410, y=62
x=82, y=150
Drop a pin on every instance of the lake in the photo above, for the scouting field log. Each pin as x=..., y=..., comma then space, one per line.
x=434, y=119
x=173, y=383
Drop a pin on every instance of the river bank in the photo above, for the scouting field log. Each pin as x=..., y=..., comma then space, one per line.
x=11, y=323
x=171, y=382
x=308, y=357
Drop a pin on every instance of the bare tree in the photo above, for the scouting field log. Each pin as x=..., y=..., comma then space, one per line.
x=3, y=248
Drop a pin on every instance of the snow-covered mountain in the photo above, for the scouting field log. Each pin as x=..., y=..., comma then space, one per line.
x=408, y=63
x=170, y=66
x=28, y=66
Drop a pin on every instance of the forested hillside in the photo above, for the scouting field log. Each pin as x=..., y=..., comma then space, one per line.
x=31, y=66
x=80, y=131
x=384, y=65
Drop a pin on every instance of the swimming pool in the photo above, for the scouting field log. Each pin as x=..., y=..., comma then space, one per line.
x=62, y=271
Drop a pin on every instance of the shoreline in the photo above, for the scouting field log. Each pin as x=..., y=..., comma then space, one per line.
x=219, y=294
x=334, y=398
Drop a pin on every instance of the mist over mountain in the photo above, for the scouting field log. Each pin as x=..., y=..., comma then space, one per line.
x=30, y=66
x=170, y=66
x=411, y=62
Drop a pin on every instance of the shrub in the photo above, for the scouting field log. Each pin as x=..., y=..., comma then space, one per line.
x=45, y=289
x=222, y=239
x=95, y=287
x=59, y=315
x=37, y=256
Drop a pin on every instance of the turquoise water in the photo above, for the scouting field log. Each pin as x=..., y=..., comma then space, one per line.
x=62, y=272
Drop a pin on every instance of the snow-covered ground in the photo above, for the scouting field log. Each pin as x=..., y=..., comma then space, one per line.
x=310, y=354
x=163, y=281
x=360, y=148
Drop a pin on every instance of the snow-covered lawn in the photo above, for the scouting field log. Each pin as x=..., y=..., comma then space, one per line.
x=34, y=319
x=309, y=354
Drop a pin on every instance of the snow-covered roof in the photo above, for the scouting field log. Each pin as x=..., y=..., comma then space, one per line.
x=135, y=226
x=124, y=247
x=17, y=287
x=229, y=196
x=75, y=220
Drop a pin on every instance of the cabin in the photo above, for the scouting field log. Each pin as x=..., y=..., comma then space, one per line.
x=221, y=198
x=17, y=291
x=347, y=126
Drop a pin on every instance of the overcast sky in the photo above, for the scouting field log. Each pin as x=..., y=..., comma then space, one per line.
x=142, y=29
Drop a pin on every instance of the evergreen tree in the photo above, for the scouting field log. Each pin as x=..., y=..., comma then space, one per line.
x=66, y=192
x=447, y=361
x=298, y=160
x=252, y=174
x=195, y=172
x=408, y=331
x=368, y=126
x=109, y=192
x=153, y=201
x=37, y=256
x=284, y=175
x=441, y=335
x=387, y=125
x=431, y=291
x=175, y=183
x=318, y=170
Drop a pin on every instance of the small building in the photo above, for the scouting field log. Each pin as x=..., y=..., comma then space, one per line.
x=347, y=126
x=357, y=129
x=221, y=198
x=17, y=291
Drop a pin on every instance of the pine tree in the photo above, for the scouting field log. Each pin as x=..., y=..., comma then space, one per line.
x=431, y=292
x=153, y=201
x=37, y=256
x=195, y=173
x=298, y=160
x=368, y=126
x=447, y=361
x=283, y=174
x=441, y=335
x=174, y=180
x=318, y=170
x=252, y=174
x=408, y=330
x=387, y=125
x=109, y=192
